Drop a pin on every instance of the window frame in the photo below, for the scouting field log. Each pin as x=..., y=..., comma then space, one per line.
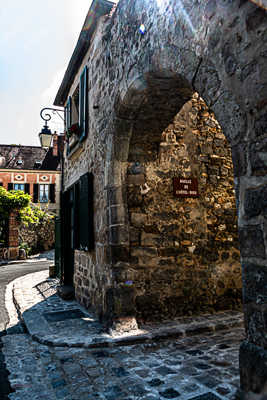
x=19, y=184
x=46, y=191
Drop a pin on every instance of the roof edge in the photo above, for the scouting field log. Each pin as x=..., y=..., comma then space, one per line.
x=97, y=9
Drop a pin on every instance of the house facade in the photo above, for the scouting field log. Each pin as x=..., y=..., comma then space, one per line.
x=35, y=171
x=166, y=126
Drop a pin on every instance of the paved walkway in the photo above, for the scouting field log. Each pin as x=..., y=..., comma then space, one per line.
x=66, y=354
x=8, y=273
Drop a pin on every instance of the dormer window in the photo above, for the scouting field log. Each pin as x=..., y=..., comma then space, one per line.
x=2, y=161
x=37, y=164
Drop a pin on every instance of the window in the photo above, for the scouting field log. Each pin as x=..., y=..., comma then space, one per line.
x=43, y=193
x=19, y=186
x=76, y=112
x=25, y=187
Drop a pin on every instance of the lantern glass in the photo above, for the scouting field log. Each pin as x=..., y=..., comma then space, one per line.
x=45, y=137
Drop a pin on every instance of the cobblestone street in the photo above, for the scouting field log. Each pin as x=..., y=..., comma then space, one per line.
x=66, y=355
x=181, y=368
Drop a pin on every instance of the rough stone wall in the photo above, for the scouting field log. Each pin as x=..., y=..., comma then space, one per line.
x=38, y=237
x=92, y=270
x=184, y=251
x=218, y=49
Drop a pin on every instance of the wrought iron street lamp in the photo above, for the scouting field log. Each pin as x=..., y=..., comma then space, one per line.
x=45, y=135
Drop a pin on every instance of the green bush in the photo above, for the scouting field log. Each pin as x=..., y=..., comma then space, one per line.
x=18, y=200
x=13, y=200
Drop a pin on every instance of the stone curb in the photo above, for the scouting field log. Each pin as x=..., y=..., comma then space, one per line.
x=28, y=261
x=164, y=334
x=38, y=328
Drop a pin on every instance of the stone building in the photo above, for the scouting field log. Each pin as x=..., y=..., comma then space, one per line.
x=159, y=95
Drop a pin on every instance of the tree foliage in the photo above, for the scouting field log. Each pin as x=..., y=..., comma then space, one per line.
x=13, y=200
x=18, y=200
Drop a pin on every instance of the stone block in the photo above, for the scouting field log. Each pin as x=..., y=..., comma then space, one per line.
x=118, y=253
x=252, y=242
x=171, y=251
x=261, y=125
x=254, y=283
x=150, y=239
x=258, y=157
x=116, y=215
x=138, y=219
x=115, y=195
x=252, y=364
x=148, y=261
x=120, y=302
x=233, y=119
x=255, y=202
x=121, y=148
x=136, y=179
x=122, y=272
x=239, y=156
x=144, y=252
x=118, y=234
x=134, y=236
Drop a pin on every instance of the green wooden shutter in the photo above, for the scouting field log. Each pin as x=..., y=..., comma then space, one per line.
x=10, y=186
x=52, y=195
x=35, y=192
x=27, y=188
x=77, y=215
x=86, y=223
x=68, y=111
x=83, y=104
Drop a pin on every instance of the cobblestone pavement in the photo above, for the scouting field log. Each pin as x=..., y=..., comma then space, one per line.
x=173, y=369
x=53, y=321
x=8, y=273
x=189, y=358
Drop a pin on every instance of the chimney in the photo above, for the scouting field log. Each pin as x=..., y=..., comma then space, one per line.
x=55, y=144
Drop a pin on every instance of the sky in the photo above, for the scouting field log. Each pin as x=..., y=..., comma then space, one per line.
x=36, y=43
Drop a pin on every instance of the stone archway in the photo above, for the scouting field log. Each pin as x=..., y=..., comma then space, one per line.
x=210, y=67
x=217, y=49
x=184, y=251
x=154, y=247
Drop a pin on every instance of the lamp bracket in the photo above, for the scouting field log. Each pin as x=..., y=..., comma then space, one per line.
x=46, y=116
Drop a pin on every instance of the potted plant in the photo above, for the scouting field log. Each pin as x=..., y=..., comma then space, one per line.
x=74, y=129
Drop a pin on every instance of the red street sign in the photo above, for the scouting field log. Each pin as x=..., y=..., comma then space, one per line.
x=185, y=187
